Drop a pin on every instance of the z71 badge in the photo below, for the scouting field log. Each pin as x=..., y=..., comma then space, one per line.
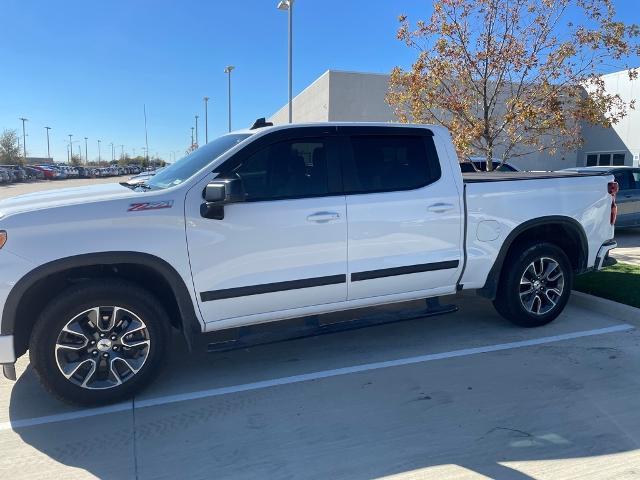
x=139, y=207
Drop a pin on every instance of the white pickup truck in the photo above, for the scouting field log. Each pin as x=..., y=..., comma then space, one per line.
x=273, y=223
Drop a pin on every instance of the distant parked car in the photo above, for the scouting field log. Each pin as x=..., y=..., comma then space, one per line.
x=33, y=173
x=49, y=173
x=18, y=172
x=5, y=177
x=481, y=165
x=628, y=198
x=468, y=167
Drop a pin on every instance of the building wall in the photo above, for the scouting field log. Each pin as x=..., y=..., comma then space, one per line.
x=623, y=137
x=360, y=97
x=310, y=105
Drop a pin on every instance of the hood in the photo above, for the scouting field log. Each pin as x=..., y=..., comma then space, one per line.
x=65, y=196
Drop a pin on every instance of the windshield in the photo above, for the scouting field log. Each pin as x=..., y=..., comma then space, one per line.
x=186, y=167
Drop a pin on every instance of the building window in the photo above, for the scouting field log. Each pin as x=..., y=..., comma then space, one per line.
x=605, y=159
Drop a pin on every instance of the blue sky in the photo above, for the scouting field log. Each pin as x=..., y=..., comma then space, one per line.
x=87, y=68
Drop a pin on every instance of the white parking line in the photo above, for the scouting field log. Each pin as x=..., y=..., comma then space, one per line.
x=216, y=392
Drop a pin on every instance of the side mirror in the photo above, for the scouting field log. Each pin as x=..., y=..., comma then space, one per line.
x=219, y=193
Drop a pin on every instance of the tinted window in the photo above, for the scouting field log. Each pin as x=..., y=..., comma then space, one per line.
x=618, y=159
x=605, y=159
x=289, y=169
x=592, y=160
x=624, y=180
x=384, y=163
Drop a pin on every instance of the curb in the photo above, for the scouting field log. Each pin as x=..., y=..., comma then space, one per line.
x=608, y=307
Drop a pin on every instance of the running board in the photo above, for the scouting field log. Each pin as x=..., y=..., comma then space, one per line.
x=274, y=332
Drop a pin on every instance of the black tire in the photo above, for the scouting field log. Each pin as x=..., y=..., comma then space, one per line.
x=83, y=297
x=511, y=296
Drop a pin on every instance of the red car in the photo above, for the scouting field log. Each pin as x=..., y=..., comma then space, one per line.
x=49, y=174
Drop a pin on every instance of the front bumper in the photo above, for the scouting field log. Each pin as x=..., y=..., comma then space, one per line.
x=603, y=253
x=7, y=356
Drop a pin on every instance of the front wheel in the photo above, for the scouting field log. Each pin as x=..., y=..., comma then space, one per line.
x=99, y=342
x=535, y=285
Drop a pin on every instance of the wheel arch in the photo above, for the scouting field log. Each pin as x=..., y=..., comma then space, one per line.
x=572, y=240
x=23, y=304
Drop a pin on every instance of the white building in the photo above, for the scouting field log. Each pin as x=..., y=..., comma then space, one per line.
x=355, y=96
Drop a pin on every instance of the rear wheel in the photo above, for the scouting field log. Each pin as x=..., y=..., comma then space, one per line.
x=535, y=285
x=99, y=342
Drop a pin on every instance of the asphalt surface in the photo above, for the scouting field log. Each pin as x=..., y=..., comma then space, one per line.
x=465, y=395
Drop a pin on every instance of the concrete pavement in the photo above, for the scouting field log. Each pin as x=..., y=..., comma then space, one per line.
x=560, y=405
x=628, y=250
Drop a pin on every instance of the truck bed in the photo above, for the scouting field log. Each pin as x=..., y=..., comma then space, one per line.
x=481, y=177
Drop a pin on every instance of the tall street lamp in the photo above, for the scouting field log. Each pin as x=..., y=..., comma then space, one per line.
x=70, y=148
x=197, y=130
x=86, y=151
x=228, y=71
x=206, y=120
x=99, y=158
x=287, y=5
x=24, y=139
x=191, y=137
x=113, y=154
x=48, y=149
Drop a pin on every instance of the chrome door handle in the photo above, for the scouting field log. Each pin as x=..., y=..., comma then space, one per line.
x=440, y=207
x=323, y=217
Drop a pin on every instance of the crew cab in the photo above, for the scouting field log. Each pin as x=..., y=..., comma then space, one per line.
x=274, y=223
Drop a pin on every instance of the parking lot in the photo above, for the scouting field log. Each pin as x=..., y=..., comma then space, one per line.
x=458, y=396
x=13, y=189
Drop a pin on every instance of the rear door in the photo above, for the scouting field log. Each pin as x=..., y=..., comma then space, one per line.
x=404, y=213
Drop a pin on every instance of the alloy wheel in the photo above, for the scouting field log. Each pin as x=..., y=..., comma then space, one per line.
x=541, y=286
x=102, y=347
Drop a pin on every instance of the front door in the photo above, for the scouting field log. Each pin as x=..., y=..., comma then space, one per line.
x=282, y=249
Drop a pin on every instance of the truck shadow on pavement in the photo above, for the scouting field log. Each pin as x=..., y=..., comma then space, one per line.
x=483, y=414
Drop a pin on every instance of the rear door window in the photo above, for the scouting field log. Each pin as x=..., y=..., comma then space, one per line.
x=386, y=163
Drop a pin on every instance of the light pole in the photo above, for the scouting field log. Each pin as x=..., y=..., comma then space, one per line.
x=99, y=159
x=113, y=155
x=70, y=148
x=48, y=149
x=228, y=71
x=121, y=152
x=24, y=139
x=86, y=151
x=197, y=130
x=191, y=137
x=288, y=6
x=146, y=135
x=206, y=120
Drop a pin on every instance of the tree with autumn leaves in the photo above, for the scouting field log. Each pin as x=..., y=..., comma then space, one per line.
x=511, y=77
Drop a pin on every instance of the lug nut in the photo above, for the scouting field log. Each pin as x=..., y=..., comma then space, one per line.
x=115, y=347
x=92, y=342
x=102, y=335
x=95, y=352
x=105, y=355
x=113, y=337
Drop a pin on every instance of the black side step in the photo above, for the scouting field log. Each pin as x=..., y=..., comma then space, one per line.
x=274, y=332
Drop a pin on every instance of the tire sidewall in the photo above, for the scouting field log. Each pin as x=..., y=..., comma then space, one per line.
x=76, y=301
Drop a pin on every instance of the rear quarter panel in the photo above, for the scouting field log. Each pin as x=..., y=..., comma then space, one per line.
x=496, y=208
